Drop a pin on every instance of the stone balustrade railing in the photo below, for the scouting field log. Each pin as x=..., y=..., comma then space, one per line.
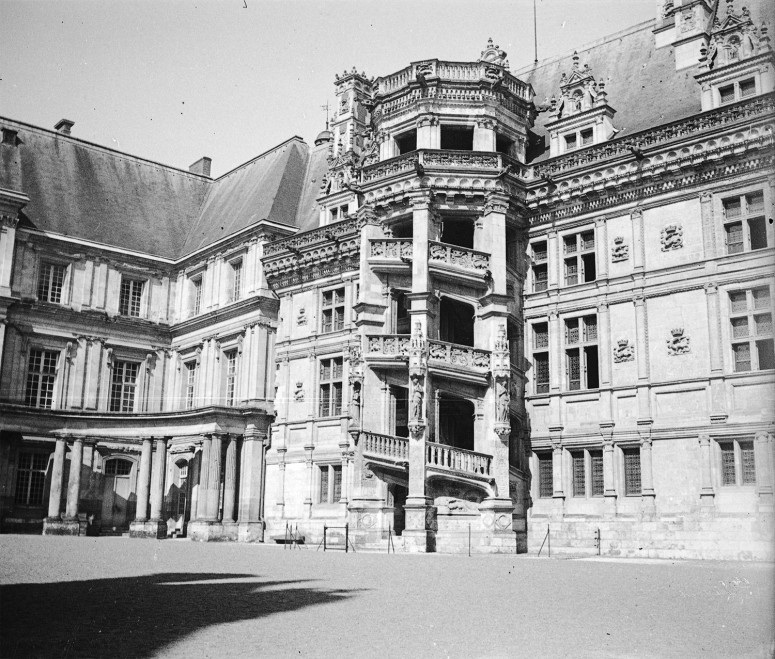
x=459, y=256
x=449, y=458
x=484, y=161
x=390, y=345
x=458, y=355
x=385, y=446
x=390, y=248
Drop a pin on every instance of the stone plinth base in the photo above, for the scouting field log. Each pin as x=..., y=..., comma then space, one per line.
x=419, y=542
x=56, y=526
x=205, y=531
x=229, y=531
x=156, y=529
x=250, y=531
x=366, y=522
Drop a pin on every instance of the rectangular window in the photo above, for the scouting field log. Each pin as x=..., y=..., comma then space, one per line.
x=596, y=468
x=190, y=384
x=545, y=478
x=196, y=305
x=581, y=360
x=41, y=375
x=541, y=367
x=30, y=479
x=727, y=93
x=540, y=267
x=750, y=320
x=580, y=264
x=51, y=279
x=333, y=310
x=745, y=226
x=331, y=386
x=236, y=280
x=130, y=297
x=231, y=376
x=330, y=484
x=747, y=88
x=579, y=474
x=586, y=137
x=738, y=463
x=122, y=386
x=631, y=471
x=570, y=142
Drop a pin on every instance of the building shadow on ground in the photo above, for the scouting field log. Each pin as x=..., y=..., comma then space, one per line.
x=138, y=616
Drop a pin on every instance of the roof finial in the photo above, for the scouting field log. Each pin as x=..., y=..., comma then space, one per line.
x=326, y=108
x=730, y=8
x=575, y=60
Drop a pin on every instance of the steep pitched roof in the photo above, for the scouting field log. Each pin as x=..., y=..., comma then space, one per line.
x=641, y=81
x=87, y=191
x=308, y=215
x=267, y=187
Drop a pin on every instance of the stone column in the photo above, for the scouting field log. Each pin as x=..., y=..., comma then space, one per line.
x=763, y=460
x=484, y=135
x=74, y=481
x=601, y=248
x=707, y=495
x=554, y=259
x=642, y=359
x=53, y=524
x=214, y=478
x=606, y=370
x=718, y=405
x=638, y=245
x=558, y=493
x=144, y=480
x=708, y=226
x=609, y=484
x=204, y=477
x=230, y=480
x=252, y=467
x=648, y=507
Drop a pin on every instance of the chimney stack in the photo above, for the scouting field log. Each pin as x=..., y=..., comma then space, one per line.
x=63, y=126
x=201, y=167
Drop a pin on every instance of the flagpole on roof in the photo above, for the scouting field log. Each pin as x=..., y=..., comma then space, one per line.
x=535, y=33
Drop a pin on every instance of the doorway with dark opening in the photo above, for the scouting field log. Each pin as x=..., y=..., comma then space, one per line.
x=456, y=422
x=456, y=322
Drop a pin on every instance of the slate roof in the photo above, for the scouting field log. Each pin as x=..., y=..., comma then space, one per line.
x=87, y=191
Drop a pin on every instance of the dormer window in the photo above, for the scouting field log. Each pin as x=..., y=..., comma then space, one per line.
x=579, y=139
x=737, y=91
x=406, y=142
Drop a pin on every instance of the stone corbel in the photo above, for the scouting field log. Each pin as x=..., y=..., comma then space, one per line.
x=109, y=357
x=150, y=362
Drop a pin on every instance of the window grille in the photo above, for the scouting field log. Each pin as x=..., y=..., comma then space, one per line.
x=579, y=475
x=745, y=226
x=580, y=264
x=545, y=484
x=197, y=283
x=541, y=371
x=191, y=368
x=632, y=471
x=130, y=297
x=330, y=484
x=574, y=370
x=748, y=463
x=118, y=467
x=337, y=494
x=540, y=278
x=596, y=467
x=236, y=284
x=30, y=478
x=50, y=282
x=541, y=335
x=582, y=362
x=41, y=376
x=122, y=388
x=728, y=475
x=324, y=485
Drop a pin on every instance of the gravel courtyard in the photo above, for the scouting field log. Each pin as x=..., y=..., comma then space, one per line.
x=69, y=597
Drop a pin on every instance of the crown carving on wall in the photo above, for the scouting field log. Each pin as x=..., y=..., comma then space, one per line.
x=677, y=331
x=734, y=37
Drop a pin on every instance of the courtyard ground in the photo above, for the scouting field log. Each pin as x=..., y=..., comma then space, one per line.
x=109, y=597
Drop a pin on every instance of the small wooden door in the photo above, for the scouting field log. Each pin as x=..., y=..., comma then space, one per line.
x=117, y=493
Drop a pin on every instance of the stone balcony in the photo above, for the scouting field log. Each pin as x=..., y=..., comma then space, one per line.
x=387, y=350
x=390, y=254
x=385, y=450
x=458, y=263
x=458, y=361
x=463, y=163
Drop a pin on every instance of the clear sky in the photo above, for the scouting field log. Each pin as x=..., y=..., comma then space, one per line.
x=175, y=80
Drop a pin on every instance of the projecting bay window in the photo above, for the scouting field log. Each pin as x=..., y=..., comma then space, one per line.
x=545, y=475
x=587, y=473
x=123, y=384
x=331, y=386
x=130, y=297
x=581, y=355
x=30, y=478
x=330, y=484
x=579, y=258
x=541, y=358
x=540, y=267
x=750, y=318
x=41, y=376
x=738, y=463
x=51, y=280
x=333, y=310
x=632, y=485
x=745, y=227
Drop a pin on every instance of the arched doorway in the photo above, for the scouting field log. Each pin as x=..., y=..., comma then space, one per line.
x=178, y=498
x=118, y=494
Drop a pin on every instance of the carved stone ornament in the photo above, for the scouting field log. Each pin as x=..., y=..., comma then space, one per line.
x=620, y=251
x=417, y=357
x=672, y=237
x=501, y=366
x=301, y=318
x=678, y=344
x=623, y=351
x=502, y=407
x=298, y=394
